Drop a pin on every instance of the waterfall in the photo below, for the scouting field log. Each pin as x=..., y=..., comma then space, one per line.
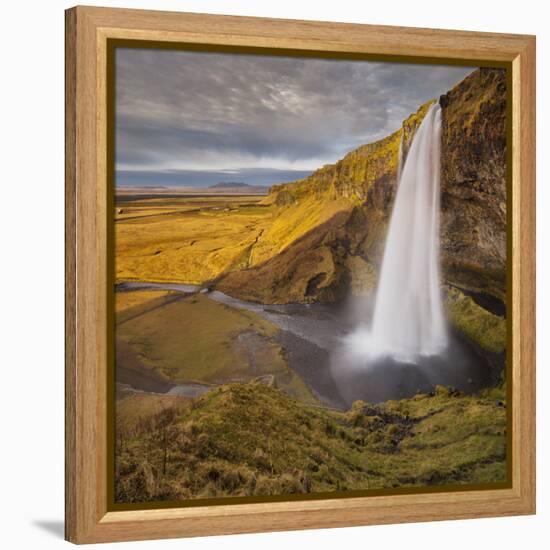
x=408, y=320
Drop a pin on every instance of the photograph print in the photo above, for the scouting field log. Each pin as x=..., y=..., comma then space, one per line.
x=309, y=278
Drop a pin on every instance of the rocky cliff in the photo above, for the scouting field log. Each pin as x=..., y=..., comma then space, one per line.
x=473, y=184
x=329, y=229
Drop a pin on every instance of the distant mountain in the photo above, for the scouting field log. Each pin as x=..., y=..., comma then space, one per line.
x=230, y=185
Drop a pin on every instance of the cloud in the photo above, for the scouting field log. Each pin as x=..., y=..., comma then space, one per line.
x=178, y=110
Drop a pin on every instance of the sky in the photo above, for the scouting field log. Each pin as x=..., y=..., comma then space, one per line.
x=198, y=118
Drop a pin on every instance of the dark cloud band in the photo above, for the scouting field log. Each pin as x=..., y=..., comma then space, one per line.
x=194, y=112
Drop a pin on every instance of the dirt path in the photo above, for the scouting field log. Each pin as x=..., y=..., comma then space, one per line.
x=251, y=247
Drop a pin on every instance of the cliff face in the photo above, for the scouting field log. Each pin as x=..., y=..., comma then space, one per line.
x=473, y=183
x=329, y=229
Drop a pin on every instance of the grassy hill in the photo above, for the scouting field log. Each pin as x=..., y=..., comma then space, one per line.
x=251, y=439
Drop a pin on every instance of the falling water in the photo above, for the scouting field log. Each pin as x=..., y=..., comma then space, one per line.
x=408, y=320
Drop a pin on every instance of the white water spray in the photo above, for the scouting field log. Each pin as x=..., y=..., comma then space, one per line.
x=408, y=320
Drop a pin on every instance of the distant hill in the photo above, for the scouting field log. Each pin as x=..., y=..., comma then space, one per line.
x=229, y=185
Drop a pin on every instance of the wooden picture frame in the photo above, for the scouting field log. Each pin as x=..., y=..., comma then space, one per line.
x=88, y=30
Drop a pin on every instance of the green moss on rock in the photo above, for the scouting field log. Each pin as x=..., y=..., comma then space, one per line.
x=478, y=324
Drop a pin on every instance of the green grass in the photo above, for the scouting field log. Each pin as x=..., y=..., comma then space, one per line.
x=195, y=339
x=134, y=411
x=478, y=324
x=250, y=439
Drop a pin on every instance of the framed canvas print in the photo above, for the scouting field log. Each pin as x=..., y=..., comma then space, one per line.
x=300, y=274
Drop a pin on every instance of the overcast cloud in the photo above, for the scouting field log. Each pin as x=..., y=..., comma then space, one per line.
x=195, y=118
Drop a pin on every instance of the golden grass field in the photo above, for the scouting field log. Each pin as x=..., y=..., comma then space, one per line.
x=189, y=240
x=195, y=239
